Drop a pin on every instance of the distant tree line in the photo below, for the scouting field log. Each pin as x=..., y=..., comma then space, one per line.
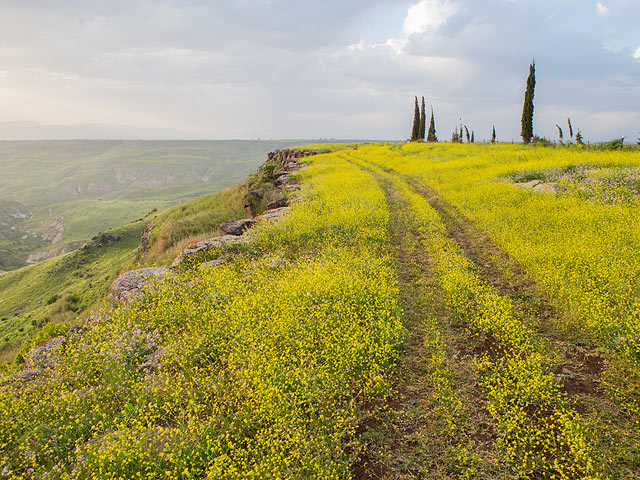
x=419, y=133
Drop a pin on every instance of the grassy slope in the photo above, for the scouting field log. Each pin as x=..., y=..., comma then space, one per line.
x=80, y=280
x=85, y=279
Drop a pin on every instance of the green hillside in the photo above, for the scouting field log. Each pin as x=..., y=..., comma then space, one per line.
x=64, y=289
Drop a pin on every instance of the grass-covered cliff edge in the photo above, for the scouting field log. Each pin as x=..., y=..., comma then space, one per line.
x=421, y=311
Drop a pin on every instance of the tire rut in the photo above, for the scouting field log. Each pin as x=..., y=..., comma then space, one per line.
x=414, y=443
x=579, y=366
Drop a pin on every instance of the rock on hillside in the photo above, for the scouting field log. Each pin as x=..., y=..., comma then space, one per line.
x=273, y=215
x=129, y=286
x=54, y=252
x=203, y=246
x=550, y=188
x=281, y=202
x=53, y=230
x=236, y=227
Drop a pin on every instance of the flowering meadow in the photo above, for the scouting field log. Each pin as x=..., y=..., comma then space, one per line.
x=579, y=247
x=277, y=363
x=261, y=368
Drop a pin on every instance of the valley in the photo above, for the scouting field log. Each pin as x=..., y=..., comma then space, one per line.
x=56, y=195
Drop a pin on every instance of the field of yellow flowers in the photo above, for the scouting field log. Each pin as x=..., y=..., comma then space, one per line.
x=261, y=368
x=275, y=365
x=555, y=415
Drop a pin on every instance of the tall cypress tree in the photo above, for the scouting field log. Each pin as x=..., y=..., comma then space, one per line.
x=493, y=135
x=415, y=132
x=560, y=134
x=431, y=136
x=473, y=137
x=527, y=109
x=570, y=128
x=423, y=122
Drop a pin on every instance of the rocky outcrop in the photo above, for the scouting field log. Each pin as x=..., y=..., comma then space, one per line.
x=203, y=246
x=273, y=215
x=529, y=185
x=54, y=252
x=251, y=200
x=43, y=355
x=130, y=286
x=53, y=230
x=236, y=227
x=42, y=358
x=282, y=180
x=212, y=264
x=281, y=202
x=548, y=188
x=289, y=156
x=539, y=186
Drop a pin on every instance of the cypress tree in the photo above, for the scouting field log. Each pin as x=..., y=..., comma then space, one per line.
x=431, y=136
x=527, y=109
x=493, y=135
x=560, y=134
x=423, y=121
x=415, y=132
x=570, y=128
x=461, y=137
x=473, y=137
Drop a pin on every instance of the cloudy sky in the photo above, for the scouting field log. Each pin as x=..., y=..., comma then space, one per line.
x=314, y=69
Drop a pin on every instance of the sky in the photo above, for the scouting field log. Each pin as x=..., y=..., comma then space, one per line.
x=219, y=69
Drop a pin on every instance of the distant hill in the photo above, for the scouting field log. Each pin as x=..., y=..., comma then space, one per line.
x=57, y=194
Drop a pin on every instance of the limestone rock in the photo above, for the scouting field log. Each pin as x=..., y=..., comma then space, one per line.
x=236, y=227
x=549, y=188
x=281, y=202
x=211, y=264
x=274, y=214
x=54, y=252
x=130, y=286
x=251, y=199
x=43, y=355
x=283, y=180
x=203, y=246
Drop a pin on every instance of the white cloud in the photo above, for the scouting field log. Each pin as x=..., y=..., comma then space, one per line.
x=428, y=15
x=636, y=54
x=602, y=9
